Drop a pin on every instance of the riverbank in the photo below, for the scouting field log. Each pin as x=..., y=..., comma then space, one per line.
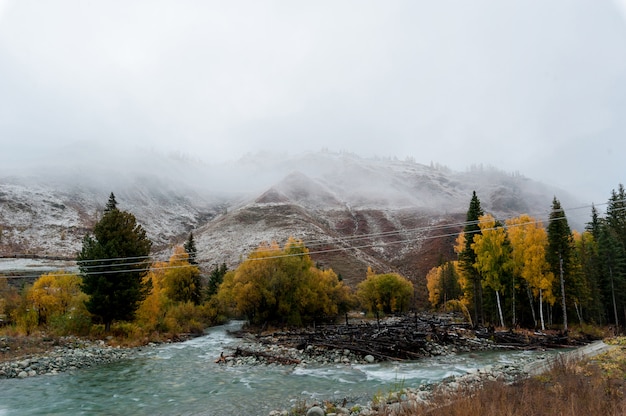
x=22, y=357
x=444, y=397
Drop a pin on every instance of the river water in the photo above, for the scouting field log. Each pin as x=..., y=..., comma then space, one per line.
x=183, y=379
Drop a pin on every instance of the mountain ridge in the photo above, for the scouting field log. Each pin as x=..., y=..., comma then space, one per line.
x=351, y=212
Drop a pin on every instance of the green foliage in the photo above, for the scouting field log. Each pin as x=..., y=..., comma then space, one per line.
x=215, y=279
x=281, y=286
x=190, y=248
x=612, y=259
x=387, y=293
x=75, y=323
x=467, y=256
x=113, y=262
x=185, y=317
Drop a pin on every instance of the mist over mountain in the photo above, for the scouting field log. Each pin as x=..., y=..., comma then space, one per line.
x=350, y=211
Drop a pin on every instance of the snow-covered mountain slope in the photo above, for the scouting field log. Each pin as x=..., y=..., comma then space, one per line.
x=351, y=212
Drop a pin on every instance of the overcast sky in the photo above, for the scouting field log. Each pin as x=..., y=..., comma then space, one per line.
x=533, y=86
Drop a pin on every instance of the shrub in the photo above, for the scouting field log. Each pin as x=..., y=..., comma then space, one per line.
x=387, y=293
x=70, y=324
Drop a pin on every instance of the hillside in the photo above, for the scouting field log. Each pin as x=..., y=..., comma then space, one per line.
x=351, y=212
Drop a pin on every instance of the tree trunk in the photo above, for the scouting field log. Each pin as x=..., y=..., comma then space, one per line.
x=563, y=293
x=580, y=318
x=613, y=295
x=499, y=308
x=514, y=317
x=480, y=294
x=543, y=325
x=476, y=312
x=532, y=306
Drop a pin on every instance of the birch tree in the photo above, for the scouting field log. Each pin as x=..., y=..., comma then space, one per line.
x=528, y=251
x=493, y=256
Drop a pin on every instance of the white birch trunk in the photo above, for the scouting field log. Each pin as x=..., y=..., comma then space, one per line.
x=499, y=308
x=543, y=325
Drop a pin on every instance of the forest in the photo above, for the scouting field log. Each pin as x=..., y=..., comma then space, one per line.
x=509, y=273
x=522, y=272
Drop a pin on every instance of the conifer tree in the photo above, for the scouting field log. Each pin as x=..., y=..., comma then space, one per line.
x=616, y=214
x=190, y=248
x=112, y=263
x=593, y=226
x=612, y=256
x=559, y=253
x=216, y=278
x=467, y=257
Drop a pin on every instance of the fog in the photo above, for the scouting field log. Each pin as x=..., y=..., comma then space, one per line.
x=529, y=86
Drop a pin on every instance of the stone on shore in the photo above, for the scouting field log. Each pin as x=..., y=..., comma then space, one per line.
x=315, y=411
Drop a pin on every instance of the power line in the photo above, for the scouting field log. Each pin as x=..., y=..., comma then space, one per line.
x=319, y=242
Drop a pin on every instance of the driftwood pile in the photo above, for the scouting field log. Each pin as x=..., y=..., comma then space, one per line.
x=407, y=338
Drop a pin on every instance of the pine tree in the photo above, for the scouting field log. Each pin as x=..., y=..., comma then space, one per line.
x=112, y=263
x=190, y=248
x=215, y=279
x=616, y=214
x=559, y=252
x=612, y=257
x=467, y=257
x=111, y=203
x=612, y=254
x=593, y=226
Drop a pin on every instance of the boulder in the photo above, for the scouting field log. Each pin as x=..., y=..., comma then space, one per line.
x=315, y=411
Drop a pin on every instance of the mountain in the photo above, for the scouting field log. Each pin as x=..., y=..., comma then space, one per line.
x=351, y=212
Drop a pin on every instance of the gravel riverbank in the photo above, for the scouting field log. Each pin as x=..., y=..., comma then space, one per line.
x=408, y=398
x=71, y=354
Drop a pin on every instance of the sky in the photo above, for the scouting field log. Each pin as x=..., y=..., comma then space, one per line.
x=530, y=86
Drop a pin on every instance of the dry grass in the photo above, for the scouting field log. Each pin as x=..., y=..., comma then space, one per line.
x=15, y=346
x=591, y=387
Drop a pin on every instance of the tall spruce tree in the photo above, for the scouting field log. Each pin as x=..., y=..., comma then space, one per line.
x=215, y=279
x=612, y=256
x=190, y=248
x=616, y=213
x=112, y=263
x=559, y=252
x=467, y=257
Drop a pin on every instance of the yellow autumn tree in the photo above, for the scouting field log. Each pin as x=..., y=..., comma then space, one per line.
x=528, y=240
x=182, y=280
x=282, y=286
x=465, y=282
x=174, y=302
x=386, y=293
x=57, y=299
x=152, y=311
x=443, y=284
x=493, y=256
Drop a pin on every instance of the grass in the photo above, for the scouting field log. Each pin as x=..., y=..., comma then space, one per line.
x=590, y=387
